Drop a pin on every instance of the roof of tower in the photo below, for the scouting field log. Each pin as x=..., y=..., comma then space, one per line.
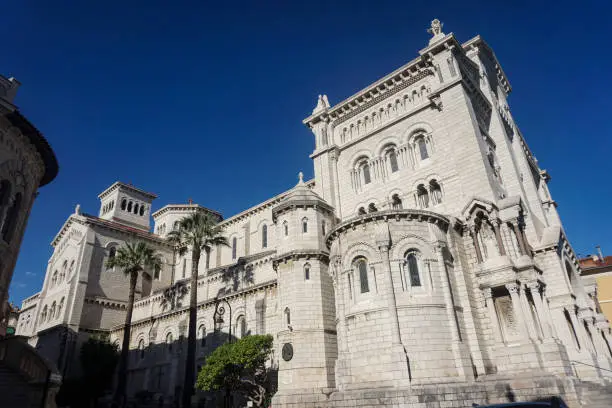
x=185, y=208
x=118, y=184
x=301, y=195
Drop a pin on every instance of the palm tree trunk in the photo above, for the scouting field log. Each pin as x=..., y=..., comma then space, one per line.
x=119, y=397
x=191, y=340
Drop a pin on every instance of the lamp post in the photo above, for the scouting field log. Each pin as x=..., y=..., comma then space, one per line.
x=218, y=318
x=220, y=311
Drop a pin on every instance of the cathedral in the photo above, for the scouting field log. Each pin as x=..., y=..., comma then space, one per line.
x=425, y=264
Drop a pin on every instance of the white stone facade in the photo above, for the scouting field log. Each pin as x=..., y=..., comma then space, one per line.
x=426, y=250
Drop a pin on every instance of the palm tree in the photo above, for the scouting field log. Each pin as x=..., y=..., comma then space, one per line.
x=133, y=258
x=197, y=232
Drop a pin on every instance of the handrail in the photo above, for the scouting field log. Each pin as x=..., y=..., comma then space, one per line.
x=590, y=365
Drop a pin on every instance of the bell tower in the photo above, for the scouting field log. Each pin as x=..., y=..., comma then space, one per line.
x=127, y=205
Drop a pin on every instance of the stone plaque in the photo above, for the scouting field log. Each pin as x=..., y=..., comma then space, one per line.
x=287, y=351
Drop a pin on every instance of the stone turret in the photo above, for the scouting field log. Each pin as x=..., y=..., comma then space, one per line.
x=307, y=333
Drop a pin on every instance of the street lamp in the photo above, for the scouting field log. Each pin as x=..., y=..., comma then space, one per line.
x=220, y=311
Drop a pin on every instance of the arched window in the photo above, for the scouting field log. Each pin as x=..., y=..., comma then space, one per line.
x=392, y=156
x=129, y=207
x=54, y=278
x=5, y=193
x=71, y=269
x=10, y=220
x=304, y=225
x=435, y=191
x=202, y=335
x=323, y=231
x=157, y=272
x=234, y=247
x=169, y=341
x=365, y=170
x=422, y=146
x=396, y=202
x=241, y=327
x=112, y=252
x=264, y=236
x=123, y=204
x=60, y=308
x=136, y=208
x=142, y=210
x=141, y=348
x=43, y=316
x=286, y=228
x=570, y=275
x=361, y=211
x=307, y=272
x=372, y=208
x=422, y=196
x=64, y=271
x=412, y=269
x=52, y=312
x=362, y=268
x=287, y=316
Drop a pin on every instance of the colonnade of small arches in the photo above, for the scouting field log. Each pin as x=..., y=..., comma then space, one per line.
x=127, y=205
x=11, y=204
x=54, y=312
x=426, y=195
x=60, y=275
x=416, y=152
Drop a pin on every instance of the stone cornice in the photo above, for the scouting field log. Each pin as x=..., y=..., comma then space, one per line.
x=260, y=207
x=184, y=208
x=301, y=254
x=118, y=184
x=402, y=77
x=203, y=305
x=293, y=204
x=477, y=42
x=419, y=215
x=105, y=302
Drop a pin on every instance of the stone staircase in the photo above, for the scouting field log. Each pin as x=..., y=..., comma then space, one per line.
x=593, y=395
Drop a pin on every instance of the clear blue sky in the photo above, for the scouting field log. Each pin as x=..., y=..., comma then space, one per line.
x=187, y=99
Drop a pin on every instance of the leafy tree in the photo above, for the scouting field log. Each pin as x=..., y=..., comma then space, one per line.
x=197, y=232
x=133, y=258
x=240, y=367
x=98, y=361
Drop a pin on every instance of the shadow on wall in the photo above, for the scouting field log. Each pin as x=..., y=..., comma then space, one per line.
x=235, y=275
x=156, y=371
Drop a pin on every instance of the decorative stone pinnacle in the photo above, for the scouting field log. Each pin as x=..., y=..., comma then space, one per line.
x=77, y=209
x=300, y=178
x=435, y=30
x=322, y=104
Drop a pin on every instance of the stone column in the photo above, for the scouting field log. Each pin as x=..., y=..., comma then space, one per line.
x=334, y=158
x=391, y=303
x=553, y=329
x=532, y=330
x=545, y=322
x=341, y=324
x=498, y=238
x=488, y=294
x=517, y=308
x=448, y=297
x=519, y=237
x=476, y=244
x=580, y=332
